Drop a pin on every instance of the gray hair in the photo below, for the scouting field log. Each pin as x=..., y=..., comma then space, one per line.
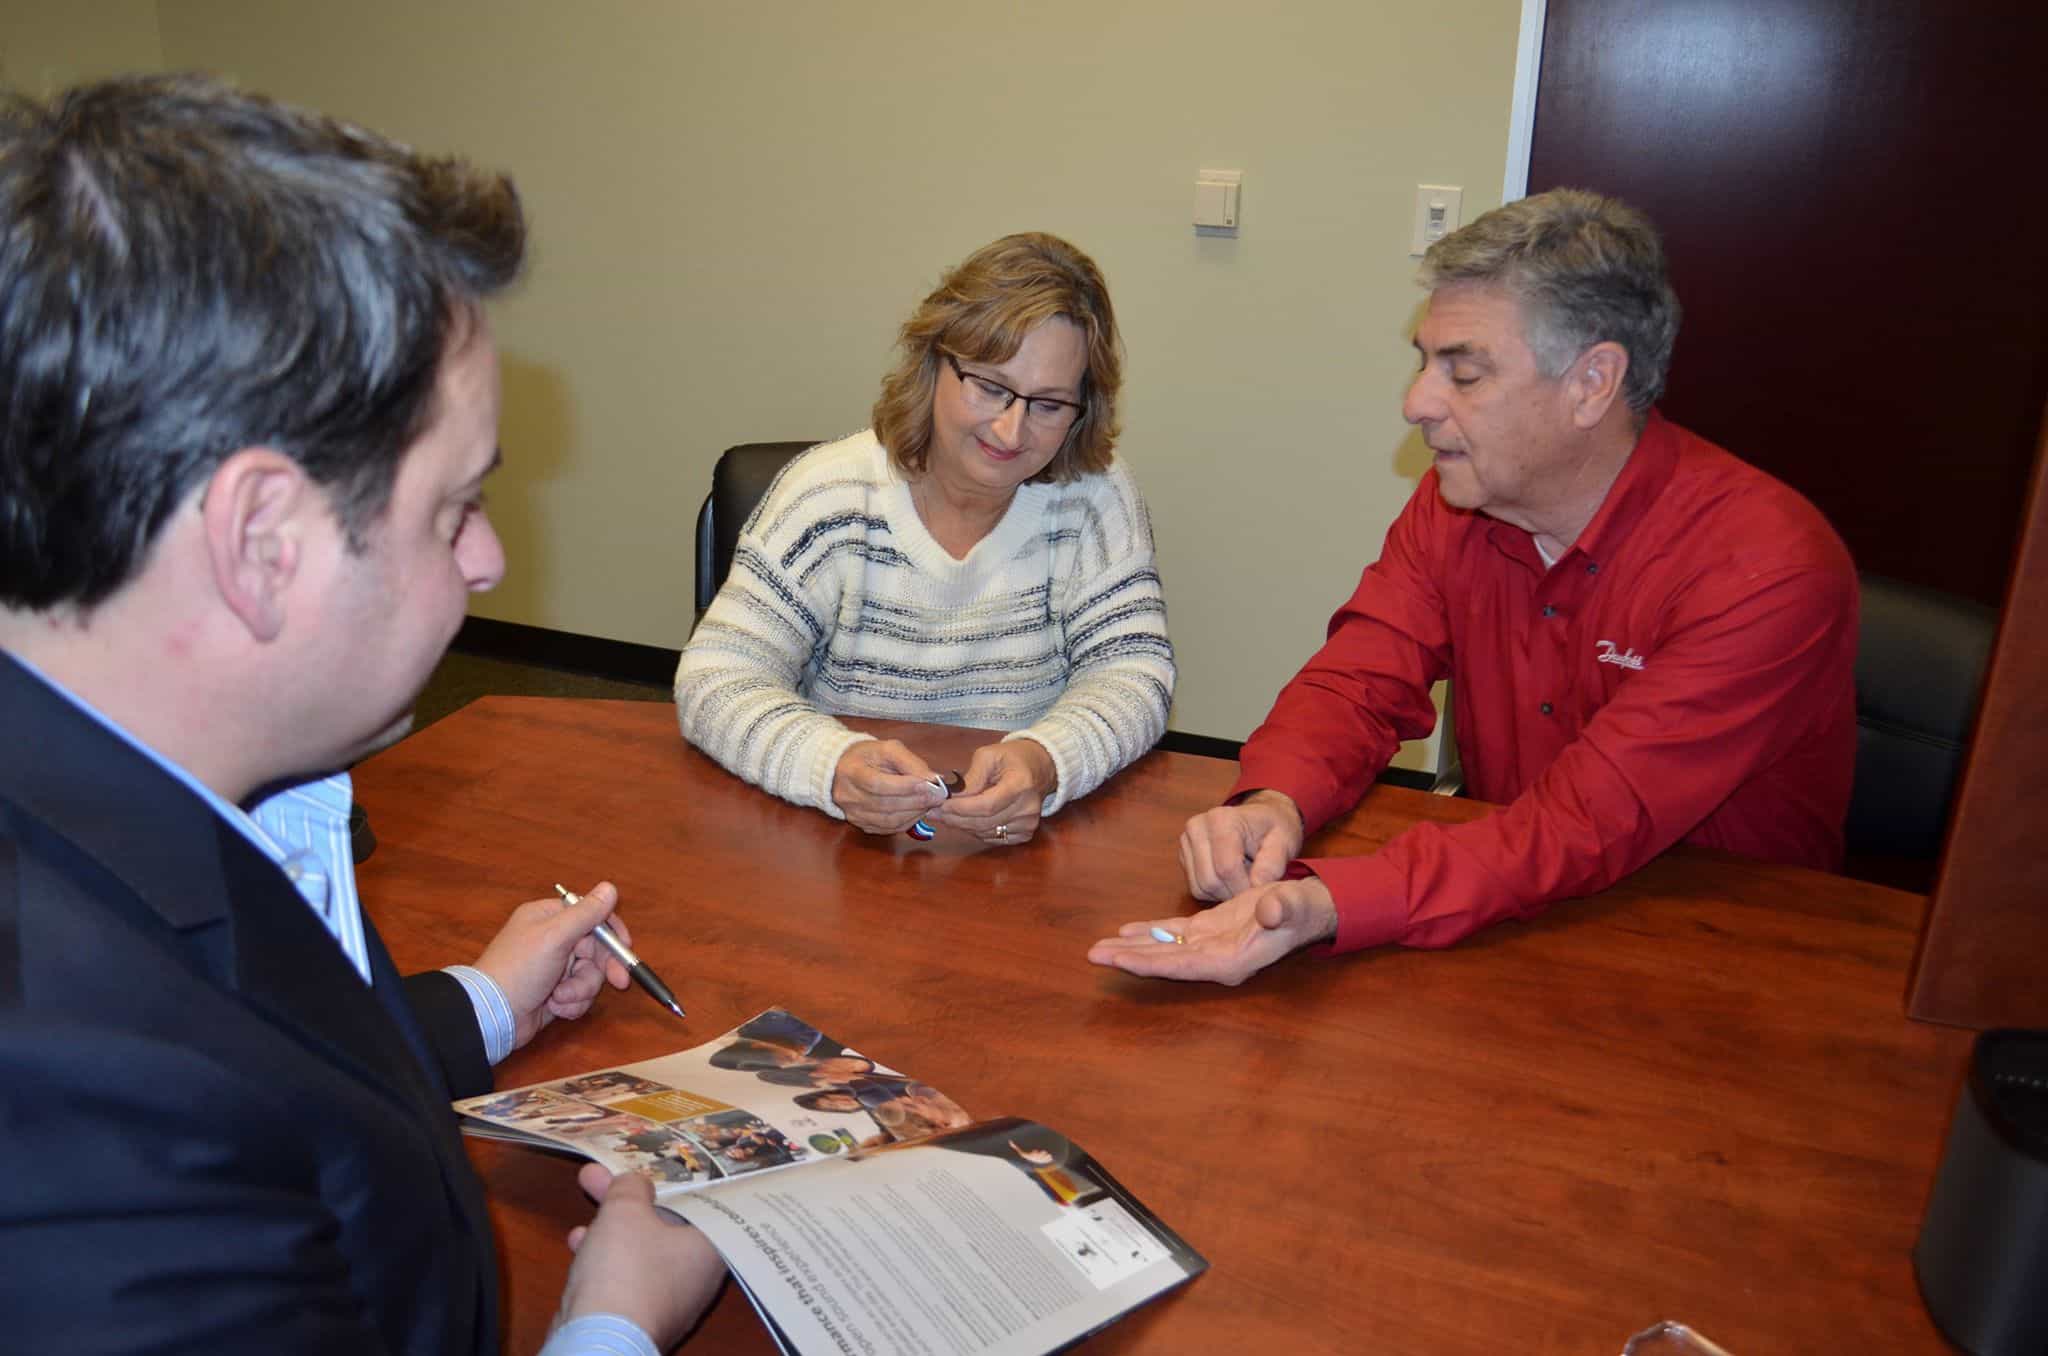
x=1585, y=270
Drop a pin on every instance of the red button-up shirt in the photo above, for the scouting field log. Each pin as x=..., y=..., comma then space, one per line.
x=1684, y=671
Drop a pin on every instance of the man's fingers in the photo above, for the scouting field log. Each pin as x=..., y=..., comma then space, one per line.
x=595, y=1179
x=1194, y=862
x=1141, y=954
x=577, y=991
x=590, y=909
x=1270, y=862
x=1206, y=879
x=1227, y=944
x=1301, y=910
x=602, y=896
x=1227, y=849
x=627, y=1188
x=605, y=968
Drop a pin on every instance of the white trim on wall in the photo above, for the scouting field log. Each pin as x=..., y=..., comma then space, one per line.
x=1522, y=104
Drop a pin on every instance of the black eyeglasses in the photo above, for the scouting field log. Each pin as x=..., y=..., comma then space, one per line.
x=992, y=397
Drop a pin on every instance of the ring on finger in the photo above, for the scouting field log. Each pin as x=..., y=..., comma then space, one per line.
x=1002, y=831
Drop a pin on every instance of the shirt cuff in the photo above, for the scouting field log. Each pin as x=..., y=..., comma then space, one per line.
x=599, y=1335
x=493, y=1013
x=1370, y=897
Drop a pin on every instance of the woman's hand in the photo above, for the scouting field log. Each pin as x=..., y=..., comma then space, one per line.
x=1007, y=783
x=882, y=787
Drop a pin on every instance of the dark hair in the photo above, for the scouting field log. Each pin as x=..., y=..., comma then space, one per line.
x=786, y=1078
x=815, y=1100
x=981, y=311
x=1585, y=269
x=187, y=270
x=746, y=1053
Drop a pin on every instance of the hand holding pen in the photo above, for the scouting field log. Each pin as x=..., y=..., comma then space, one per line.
x=635, y=967
x=548, y=963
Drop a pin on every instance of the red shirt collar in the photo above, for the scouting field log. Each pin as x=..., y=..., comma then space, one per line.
x=1643, y=477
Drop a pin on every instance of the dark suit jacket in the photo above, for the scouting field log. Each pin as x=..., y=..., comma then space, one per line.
x=216, y=1137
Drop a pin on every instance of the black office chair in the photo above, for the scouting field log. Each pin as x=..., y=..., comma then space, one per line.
x=742, y=475
x=361, y=840
x=1920, y=661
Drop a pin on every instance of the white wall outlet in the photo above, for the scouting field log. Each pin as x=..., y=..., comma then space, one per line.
x=1216, y=193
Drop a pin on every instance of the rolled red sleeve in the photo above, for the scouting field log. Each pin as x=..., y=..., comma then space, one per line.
x=1337, y=723
x=1711, y=712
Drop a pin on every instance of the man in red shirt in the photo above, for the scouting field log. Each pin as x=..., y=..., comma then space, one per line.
x=1649, y=640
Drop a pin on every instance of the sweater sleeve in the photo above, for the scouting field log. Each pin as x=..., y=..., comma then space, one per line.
x=736, y=690
x=1112, y=615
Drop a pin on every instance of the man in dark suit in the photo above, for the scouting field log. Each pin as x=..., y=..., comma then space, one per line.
x=250, y=401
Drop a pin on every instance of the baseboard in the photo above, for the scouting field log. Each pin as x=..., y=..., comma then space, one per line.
x=1206, y=746
x=619, y=660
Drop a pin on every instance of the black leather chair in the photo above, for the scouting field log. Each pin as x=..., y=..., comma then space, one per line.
x=1920, y=662
x=362, y=841
x=742, y=475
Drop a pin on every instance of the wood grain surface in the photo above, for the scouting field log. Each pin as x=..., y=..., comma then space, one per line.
x=1695, y=1096
x=1984, y=954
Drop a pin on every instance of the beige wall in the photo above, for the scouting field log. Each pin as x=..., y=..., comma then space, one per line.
x=734, y=205
x=46, y=45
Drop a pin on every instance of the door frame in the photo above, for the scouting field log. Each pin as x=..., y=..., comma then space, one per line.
x=1522, y=103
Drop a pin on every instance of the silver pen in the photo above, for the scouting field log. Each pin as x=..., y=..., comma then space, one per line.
x=635, y=967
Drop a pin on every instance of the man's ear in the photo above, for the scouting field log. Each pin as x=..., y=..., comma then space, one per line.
x=1595, y=382
x=254, y=512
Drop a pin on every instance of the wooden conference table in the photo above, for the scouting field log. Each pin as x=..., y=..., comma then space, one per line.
x=1694, y=1096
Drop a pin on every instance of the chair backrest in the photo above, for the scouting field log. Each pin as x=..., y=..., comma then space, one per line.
x=1920, y=662
x=742, y=475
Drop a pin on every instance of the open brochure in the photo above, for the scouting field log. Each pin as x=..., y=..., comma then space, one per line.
x=862, y=1211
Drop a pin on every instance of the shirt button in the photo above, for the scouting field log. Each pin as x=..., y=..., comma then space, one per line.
x=1549, y=610
x=1545, y=708
x=1592, y=569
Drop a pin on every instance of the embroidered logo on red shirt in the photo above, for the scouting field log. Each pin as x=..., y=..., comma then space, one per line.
x=1627, y=659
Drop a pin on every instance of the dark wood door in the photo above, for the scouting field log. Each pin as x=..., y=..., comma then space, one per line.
x=1855, y=199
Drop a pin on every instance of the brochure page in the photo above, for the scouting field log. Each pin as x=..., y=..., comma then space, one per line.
x=774, y=1092
x=1002, y=1238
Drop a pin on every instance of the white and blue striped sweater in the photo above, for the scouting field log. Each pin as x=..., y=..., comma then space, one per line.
x=841, y=603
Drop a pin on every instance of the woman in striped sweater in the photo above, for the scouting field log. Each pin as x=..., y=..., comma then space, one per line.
x=976, y=558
